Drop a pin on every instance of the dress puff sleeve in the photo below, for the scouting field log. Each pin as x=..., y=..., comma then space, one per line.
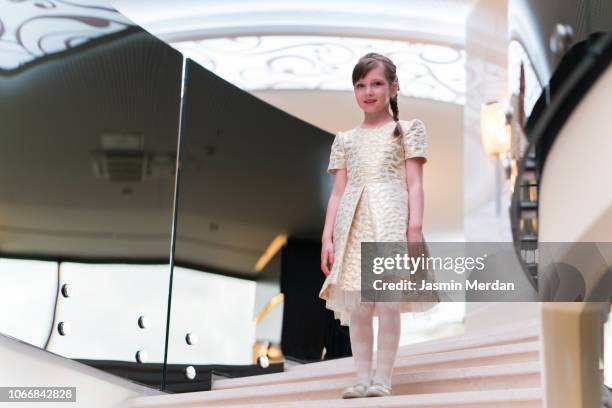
x=415, y=140
x=337, y=158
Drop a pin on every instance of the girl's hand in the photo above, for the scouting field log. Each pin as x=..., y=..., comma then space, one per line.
x=327, y=254
x=414, y=236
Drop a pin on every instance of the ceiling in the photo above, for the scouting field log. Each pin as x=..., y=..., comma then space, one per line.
x=325, y=63
x=315, y=44
x=428, y=21
x=34, y=30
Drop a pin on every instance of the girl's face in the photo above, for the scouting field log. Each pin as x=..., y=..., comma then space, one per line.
x=373, y=91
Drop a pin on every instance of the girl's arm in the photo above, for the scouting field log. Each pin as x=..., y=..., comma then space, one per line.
x=340, y=179
x=416, y=199
x=327, y=247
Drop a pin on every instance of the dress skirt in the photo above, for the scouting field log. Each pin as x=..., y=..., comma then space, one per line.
x=343, y=295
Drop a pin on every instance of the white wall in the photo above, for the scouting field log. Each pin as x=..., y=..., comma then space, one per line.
x=576, y=194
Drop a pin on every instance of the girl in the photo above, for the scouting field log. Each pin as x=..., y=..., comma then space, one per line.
x=377, y=170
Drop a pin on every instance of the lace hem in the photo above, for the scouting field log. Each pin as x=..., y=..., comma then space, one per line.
x=343, y=301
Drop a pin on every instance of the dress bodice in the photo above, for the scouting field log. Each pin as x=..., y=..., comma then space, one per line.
x=375, y=155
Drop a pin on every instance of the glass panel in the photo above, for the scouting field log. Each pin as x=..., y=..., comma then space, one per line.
x=253, y=189
x=89, y=119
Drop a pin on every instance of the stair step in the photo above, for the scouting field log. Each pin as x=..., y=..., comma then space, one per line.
x=514, y=333
x=528, y=205
x=502, y=354
x=510, y=398
x=507, y=334
x=519, y=375
x=528, y=238
x=494, y=355
x=506, y=398
x=530, y=164
x=503, y=376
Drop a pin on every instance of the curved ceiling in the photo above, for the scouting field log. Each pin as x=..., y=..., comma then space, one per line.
x=429, y=21
x=313, y=45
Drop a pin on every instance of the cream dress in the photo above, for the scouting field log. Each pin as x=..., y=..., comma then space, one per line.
x=374, y=206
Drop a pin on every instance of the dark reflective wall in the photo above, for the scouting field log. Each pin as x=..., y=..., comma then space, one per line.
x=252, y=179
x=89, y=136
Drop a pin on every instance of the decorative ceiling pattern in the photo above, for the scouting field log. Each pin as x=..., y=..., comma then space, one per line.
x=32, y=29
x=325, y=63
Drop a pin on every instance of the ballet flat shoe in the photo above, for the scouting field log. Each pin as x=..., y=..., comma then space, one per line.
x=355, y=391
x=378, y=390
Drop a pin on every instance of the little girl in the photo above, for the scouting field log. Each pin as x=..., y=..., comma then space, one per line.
x=377, y=170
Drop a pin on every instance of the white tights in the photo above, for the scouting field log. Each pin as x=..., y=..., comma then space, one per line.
x=361, y=333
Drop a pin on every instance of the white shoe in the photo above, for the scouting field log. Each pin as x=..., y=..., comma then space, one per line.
x=355, y=391
x=378, y=390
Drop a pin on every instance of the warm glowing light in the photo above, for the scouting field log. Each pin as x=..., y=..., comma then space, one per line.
x=494, y=132
x=276, y=299
x=276, y=244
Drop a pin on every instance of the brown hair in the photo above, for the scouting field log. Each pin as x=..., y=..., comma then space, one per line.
x=371, y=61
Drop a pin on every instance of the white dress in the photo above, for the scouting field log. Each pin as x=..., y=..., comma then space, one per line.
x=373, y=207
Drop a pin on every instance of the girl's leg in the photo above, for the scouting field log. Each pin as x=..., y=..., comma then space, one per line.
x=362, y=340
x=389, y=330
